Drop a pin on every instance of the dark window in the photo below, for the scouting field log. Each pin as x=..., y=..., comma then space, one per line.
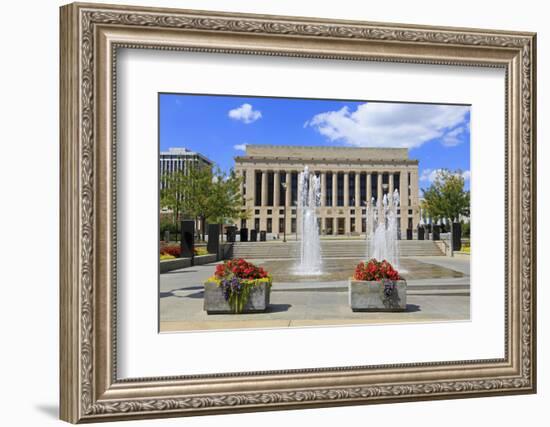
x=385, y=183
x=282, y=191
x=329, y=225
x=258, y=192
x=294, y=183
x=340, y=188
x=270, y=188
x=281, y=225
x=352, y=225
x=328, y=188
x=396, y=182
x=243, y=223
x=363, y=187
x=293, y=225
x=269, y=211
x=364, y=225
x=257, y=224
x=281, y=211
x=269, y=225
x=410, y=223
x=257, y=212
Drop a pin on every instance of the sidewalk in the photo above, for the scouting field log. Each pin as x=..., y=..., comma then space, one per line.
x=311, y=303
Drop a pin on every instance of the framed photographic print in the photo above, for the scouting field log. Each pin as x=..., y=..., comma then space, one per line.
x=266, y=212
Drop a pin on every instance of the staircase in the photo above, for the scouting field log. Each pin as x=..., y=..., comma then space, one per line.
x=329, y=248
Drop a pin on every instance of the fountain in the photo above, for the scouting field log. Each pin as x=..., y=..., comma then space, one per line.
x=309, y=199
x=382, y=239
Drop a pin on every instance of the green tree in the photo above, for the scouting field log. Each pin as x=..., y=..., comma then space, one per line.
x=446, y=197
x=204, y=195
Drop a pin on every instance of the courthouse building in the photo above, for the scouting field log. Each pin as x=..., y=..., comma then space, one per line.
x=349, y=178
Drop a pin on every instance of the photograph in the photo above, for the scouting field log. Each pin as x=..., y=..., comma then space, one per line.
x=298, y=212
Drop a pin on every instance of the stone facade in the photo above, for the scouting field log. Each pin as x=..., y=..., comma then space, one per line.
x=350, y=178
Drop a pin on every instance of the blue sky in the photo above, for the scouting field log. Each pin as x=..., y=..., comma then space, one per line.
x=220, y=126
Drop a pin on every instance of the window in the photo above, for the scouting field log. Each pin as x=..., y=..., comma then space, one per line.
x=257, y=212
x=281, y=225
x=269, y=225
x=328, y=188
x=293, y=225
x=257, y=224
x=294, y=184
x=340, y=188
x=243, y=223
x=270, y=189
x=363, y=187
x=269, y=211
x=258, y=192
x=329, y=226
x=352, y=225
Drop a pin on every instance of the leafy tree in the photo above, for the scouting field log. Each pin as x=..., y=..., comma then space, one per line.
x=446, y=197
x=204, y=195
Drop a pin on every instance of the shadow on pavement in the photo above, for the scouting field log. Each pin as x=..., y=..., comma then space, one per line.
x=412, y=308
x=180, y=271
x=275, y=308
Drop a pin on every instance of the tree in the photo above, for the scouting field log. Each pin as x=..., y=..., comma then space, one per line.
x=203, y=195
x=446, y=198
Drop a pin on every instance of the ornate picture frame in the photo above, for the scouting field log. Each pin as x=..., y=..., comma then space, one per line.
x=90, y=37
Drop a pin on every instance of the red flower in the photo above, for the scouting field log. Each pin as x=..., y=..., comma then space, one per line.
x=374, y=270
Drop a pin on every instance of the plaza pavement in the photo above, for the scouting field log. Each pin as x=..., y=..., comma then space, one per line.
x=314, y=303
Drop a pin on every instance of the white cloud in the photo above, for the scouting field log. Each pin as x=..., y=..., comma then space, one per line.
x=391, y=125
x=452, y=137
x=245, y=113
x=240, y=147
x=429, y=175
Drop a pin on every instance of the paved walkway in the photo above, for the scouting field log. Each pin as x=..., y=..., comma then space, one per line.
x=313, y=303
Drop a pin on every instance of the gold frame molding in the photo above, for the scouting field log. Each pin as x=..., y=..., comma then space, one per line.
x=90, y=37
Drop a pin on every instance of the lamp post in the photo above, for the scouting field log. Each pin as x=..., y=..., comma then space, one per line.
x=284, y=213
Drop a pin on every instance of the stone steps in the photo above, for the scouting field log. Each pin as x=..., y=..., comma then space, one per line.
x=329, y=249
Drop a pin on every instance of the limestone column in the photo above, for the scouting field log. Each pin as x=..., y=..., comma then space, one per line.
x=369, y=187
x=390, y=188
x=250, y=196
x=334, y=190
x=404, y=200
x=357, y=194
x=379, y=194
x=323, y=190
x=346, y=189
x=414, y=196
x=288, y=190
x=276, y=189
x=288, y=202
x=264, y=188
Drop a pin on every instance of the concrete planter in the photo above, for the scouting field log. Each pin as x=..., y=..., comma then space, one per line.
x=378, y=296
x=215, y=303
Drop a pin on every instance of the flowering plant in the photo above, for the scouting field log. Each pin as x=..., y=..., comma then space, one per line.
x=374, y=270
x=236, y=278
x=174, y=250
x=241, y=269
